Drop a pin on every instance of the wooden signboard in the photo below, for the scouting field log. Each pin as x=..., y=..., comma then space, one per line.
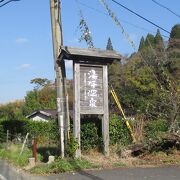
x=91, y=89
x=91, y=97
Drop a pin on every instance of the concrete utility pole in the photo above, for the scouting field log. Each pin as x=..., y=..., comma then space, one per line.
x=59, y=67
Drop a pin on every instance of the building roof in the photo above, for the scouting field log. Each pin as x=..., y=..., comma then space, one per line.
x=90, y=54
x=50, y=113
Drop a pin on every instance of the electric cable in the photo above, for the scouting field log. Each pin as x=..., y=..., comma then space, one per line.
x=161, y=5
x=7, y=2
x=140, y=16
x=127, y=22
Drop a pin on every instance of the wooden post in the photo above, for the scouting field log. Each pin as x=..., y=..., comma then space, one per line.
x=105, y=120
x=35, y=149
x=22, y=148
x=76, y=119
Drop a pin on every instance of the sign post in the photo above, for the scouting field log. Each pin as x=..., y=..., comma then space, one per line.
x=91, y=97
x=90, y=88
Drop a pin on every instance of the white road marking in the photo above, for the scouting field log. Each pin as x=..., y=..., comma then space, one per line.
x=2, y=177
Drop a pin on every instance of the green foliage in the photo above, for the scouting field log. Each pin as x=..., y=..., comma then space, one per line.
x=174, y=37
x=15, y=127
x=71, y=147
x=40, y=82
x=11, y=111
x=148, y=83
x=63, y=165
x=119, y=164
x=149, y=40
x=44, y=98
x=45, y=132
x=12, y=154
x=158, y=40
x=173, y=62
x=118, y=132
x=152, y=42
x=141, y=44
x=89, y=136
x=109, y=45
x=2, y=133
x=154, y=128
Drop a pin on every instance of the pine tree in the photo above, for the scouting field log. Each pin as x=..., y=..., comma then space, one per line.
x=173, y=50
x=109, y=45
x=158, y=41
x=149, y=40
x=142, y=44
x=175, y=37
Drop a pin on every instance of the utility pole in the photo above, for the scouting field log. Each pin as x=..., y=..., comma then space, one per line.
x=59, y=67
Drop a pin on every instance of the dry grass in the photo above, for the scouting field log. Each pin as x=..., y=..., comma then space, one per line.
x=162, y=158
x=113, y=160
x=149, y=160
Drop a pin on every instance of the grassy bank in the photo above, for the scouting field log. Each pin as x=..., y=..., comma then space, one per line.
x=11, y=153
x=63, y=165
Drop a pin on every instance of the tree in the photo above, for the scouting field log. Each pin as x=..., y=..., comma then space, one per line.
x=37, y=99
x=142, y=44
x=158, y=41
x=40, y=82
x=144, y=84
x=174, y=37
x=109, y=45
x=173, y=63
x=11, y=111
x=149, y=41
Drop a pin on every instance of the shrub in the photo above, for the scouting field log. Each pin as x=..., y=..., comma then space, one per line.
x=2, y=134
x=154, y=128
x=118, y=131
x=71, y=146
x=43, y=131
x=15, y=127
x=89, y=136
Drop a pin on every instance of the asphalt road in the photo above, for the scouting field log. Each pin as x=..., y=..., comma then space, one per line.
x=161, y=173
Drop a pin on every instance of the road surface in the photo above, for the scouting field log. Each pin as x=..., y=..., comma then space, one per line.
x=161, y=173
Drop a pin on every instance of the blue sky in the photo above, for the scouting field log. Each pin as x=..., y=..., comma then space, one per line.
x=26, y=44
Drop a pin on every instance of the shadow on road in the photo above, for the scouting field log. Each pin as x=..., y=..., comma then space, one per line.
x=93, y=177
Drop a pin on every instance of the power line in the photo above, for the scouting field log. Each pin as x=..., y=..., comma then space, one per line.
x=161, y=5
x=117, y=22
x=6, y=2
x=140, y=16
x=127, y=22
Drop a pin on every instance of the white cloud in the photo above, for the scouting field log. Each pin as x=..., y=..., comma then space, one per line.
x=21, y=40
x=24, y=66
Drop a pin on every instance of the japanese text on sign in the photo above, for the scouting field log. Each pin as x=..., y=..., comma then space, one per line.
x=91, y=88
